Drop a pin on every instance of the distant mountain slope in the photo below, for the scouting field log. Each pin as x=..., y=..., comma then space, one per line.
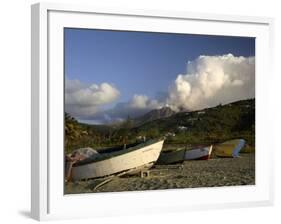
x=206, y=126
x=152, y=115
x=223, y=121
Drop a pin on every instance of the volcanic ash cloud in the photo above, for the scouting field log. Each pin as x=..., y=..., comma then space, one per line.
x=213, y=80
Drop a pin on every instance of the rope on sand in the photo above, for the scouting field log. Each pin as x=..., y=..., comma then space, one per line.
x=110, y=178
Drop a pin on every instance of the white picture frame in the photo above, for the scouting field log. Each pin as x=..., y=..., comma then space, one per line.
x=48, y=201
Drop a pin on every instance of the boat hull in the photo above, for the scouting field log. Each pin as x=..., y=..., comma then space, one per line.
x=143, y=157
x=171, y=157
x=203, y=153
x=230, y=148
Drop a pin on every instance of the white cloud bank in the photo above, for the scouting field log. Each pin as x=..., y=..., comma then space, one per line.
x=211, y=80
x=135, y=107
x=143, y=102
x=83, y=100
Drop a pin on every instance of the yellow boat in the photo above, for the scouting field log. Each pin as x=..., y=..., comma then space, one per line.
x=229, y=148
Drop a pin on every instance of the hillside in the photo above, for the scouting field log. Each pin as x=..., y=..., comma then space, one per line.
x=210, y=125
x=235, y=119
x=152, y=115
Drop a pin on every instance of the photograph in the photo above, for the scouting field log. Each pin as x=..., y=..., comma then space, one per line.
x=157, y=110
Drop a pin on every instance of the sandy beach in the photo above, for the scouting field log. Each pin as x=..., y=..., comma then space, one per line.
x=191, y=174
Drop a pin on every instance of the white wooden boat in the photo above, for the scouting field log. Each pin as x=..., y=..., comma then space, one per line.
x=200, y=153
x=141, y=156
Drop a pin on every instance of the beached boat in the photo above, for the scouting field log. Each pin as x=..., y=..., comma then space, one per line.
x=180, y=155
x=229, y=148
x=200, y=153
x=171, y=157
x=131, y=159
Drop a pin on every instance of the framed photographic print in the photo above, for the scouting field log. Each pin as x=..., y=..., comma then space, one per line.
x=148, y=111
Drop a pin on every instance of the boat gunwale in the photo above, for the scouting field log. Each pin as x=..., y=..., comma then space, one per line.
x=106, y=156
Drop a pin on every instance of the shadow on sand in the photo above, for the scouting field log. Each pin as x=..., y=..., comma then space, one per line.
x=25, y=213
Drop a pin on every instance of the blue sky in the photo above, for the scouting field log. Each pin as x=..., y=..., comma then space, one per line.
x=141, y=62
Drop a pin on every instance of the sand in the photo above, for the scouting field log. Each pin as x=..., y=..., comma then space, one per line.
x=191, y=174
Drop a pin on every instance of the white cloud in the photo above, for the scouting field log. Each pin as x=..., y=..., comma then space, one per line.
x=143, y=102
x=84, y=100
x=211, y=80
x=135, y=107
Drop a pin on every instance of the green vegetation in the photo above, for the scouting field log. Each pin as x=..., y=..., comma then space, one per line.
x=211, y=125
x=79, y=135
x=74, y=132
